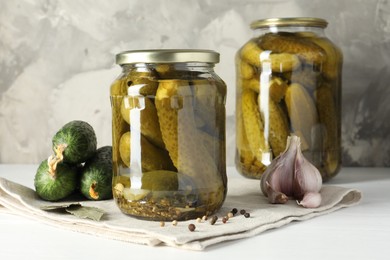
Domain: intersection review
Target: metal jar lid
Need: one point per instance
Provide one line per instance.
(288, 22)
(167, 56)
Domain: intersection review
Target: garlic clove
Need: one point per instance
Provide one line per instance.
(279, 174)
(265, 178)
(310, 200)
(275, 197)
(272, 176)
(292, 175)
(306, 179)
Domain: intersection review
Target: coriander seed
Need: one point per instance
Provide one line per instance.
(230, 215)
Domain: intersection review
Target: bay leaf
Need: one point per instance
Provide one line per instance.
(57, 206)
(85, 212)
(75, 209)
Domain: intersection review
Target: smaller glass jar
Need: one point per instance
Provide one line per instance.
(168, 129)
(288, 82)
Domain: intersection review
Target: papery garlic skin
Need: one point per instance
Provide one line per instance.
(292, 175)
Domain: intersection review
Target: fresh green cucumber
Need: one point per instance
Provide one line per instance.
(55, 183)
(96, 176)
(75, 142)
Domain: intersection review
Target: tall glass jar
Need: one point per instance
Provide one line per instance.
(288, 82)
(168, 129)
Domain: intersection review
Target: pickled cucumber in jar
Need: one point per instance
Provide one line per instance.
(288, 82)
(168, 135)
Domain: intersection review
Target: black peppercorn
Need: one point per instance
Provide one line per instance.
(247, 215)
(242, 212)
(191, 227)
(234, 211)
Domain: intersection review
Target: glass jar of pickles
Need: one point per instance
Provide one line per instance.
(288, 82)
(168, 129)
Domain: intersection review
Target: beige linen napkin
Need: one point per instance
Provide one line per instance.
(242, 194)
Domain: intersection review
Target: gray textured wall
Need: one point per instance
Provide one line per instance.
(57, 62)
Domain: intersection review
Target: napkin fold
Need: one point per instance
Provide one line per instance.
(242, 194)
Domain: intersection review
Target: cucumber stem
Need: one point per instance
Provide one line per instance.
(94, 194)
(59, 151)
(52, 163)
(53, 160)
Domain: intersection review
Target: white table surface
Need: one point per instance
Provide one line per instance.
(359, 232)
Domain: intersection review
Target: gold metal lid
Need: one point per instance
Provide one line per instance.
(167, 56)
(289, 21)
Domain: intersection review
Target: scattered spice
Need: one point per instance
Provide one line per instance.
(224, 220)
(191, 227)
(213, 220)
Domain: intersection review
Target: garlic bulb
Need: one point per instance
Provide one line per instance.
(291, 175)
